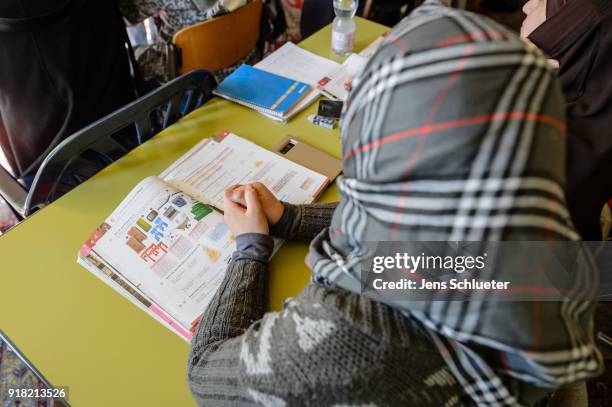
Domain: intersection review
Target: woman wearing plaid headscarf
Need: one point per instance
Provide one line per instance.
(453, 131)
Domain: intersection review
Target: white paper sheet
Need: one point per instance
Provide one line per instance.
(333, 85)
(298, 64)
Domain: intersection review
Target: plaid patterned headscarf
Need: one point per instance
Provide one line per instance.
(455, 131)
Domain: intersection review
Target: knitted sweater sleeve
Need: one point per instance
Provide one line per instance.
(213, 358)
(303, 221)
(213, 365)
(326, 348)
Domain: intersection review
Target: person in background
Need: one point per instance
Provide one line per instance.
(414, 169)
(283, 19)
(316, 14)
(578, 35)
(171, 16)
(52, 83)
(293, 15)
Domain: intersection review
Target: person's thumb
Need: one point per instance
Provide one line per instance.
(252, 199)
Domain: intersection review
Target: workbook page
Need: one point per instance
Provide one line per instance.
(298, 64)
(213, 166)
(334, 85)
(167, 244)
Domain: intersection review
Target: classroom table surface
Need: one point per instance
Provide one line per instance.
(82, 334)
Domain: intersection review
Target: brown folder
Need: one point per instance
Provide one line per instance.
(310, 157)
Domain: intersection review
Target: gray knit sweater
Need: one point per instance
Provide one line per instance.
(326, 348)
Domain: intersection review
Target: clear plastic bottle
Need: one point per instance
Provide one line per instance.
(343, 28)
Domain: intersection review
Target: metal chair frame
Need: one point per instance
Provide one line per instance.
(148, 115)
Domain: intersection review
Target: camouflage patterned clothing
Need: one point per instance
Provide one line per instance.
(170, 17)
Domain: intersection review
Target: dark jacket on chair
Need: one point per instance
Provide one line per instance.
(63, 65)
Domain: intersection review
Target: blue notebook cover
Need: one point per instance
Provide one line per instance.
(264, 90)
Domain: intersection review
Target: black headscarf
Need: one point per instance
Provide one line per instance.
(578, 33)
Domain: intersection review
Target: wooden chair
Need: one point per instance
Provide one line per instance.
(220, 42)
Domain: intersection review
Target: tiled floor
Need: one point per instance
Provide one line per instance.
(15, 374)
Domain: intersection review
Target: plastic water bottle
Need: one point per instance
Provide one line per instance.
(343, 29)
(143, 33)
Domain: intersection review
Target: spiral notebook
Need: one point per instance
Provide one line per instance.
(272, 95)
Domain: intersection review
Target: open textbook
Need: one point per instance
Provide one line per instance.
(166, 246)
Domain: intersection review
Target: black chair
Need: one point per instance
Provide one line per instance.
(144, 118)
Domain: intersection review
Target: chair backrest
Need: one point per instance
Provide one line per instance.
(147, 115)
(220, 42)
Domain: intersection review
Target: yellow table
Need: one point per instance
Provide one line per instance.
(78, 331)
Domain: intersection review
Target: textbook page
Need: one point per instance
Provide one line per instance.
(210, 168)
(171, 247)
